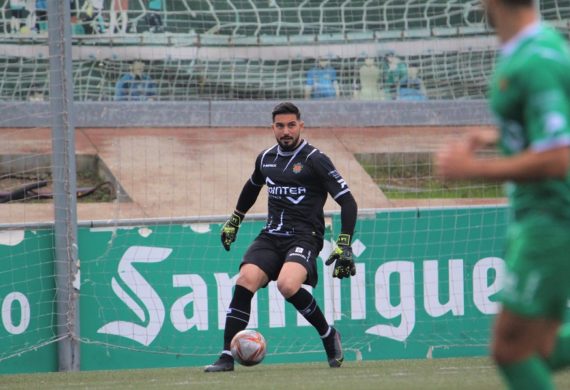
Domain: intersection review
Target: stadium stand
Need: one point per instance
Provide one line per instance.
(465, 77)
(206, 51)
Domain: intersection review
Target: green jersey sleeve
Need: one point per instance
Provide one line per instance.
(547, 106)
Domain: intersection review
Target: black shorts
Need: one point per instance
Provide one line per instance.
(269, 252)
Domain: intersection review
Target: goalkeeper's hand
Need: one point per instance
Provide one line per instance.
(342, 257)
(229, 230)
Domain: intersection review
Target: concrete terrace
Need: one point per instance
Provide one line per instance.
(199, 172)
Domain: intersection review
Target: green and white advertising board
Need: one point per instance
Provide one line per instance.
(155, 296)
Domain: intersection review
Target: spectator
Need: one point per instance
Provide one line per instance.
(92, 16)
(74, 10)
(394, 70)
(38, 14)
(30, 17)
(36, 94)
(321, 81)
(41, 14)
(370, 77)
(135, 85)
(412, 87)
(17, 13)
(119, 19)
(153, 17)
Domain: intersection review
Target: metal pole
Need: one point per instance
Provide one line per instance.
(64, 184)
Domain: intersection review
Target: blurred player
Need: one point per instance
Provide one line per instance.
(298, 178)
(530, 96)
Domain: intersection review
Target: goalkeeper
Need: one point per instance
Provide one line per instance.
(298, 177)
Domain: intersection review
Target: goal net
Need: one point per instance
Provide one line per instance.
(172, 104)
(264, 50)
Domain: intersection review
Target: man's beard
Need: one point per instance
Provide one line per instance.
(291, 143)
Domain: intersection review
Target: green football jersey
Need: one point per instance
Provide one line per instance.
(530, 97)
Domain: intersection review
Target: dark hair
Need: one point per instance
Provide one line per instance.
(285, 108)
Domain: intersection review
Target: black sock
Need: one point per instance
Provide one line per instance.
(305, 303)
(238, 314)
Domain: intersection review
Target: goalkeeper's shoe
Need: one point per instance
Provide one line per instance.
(333, 347)
(224, 363)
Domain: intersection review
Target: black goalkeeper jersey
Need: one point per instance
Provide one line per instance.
(297, 183)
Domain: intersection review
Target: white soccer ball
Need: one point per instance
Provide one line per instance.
(248, 347)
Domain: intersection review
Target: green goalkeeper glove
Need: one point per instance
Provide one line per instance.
(230, 229)
(342, 257)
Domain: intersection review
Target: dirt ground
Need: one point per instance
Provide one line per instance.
(198, 172)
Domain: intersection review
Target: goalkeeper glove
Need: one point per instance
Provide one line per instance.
(230, 229)
(342, 257)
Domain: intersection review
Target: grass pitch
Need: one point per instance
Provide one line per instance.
(412, 176)
(440, 374)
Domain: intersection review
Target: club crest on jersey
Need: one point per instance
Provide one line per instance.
(503, 85)
(297, 167)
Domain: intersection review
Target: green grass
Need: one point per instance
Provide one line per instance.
(431, 188)
(412, 176)
(440, 374)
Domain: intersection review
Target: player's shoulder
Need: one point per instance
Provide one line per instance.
(549, 36)
(546, 50)
(267, 152)
(314, 154)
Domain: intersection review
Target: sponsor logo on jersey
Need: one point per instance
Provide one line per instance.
(335, 175)
(297, 167)
(269, 165)
(294, 194)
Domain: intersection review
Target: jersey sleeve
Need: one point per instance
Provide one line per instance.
(331, 179)
(257, 177)
(546, 108)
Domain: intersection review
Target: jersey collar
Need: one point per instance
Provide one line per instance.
(291, 152)
(513, 44)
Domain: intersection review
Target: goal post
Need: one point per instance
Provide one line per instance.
(64, 186)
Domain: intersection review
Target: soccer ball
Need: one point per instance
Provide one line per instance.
(248, 347)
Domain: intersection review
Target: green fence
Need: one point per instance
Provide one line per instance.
(155, 296)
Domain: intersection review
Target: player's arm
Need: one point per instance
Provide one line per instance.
(482, 138)
(527, 166)
(246, 200)
(457, 161)
(337, 187)
(341, 256)
(348, 213)
(547, 124)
